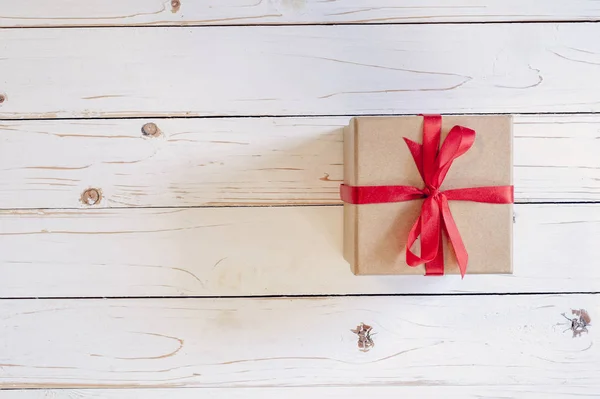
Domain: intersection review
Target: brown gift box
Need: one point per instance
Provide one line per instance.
(375, 235)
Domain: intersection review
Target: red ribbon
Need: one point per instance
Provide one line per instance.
(435, 214)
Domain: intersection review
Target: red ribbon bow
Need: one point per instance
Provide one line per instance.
(435, 214)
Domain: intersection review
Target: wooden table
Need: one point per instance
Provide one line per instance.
(170, 214)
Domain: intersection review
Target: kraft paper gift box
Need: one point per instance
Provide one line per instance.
(376, 154)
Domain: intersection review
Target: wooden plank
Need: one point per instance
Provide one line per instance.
(261, 251)
(249, 161)
(32, 13)
(235, 343)
(312, 70)
(384, 392)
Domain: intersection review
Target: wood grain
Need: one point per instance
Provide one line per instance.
(313, 70)
(31, 13)
(334, 392)
(261, 251)
(249, 161)
(426, 341)
(149, 238)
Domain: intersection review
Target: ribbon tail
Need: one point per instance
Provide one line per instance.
(454, 237)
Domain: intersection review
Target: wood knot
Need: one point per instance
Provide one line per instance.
(150, 129)
(91, 196)
(175, 5)
(579, 323)
(365, 339)
(2, 98)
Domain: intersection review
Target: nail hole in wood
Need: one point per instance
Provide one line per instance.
(91, 196)
(175, 5)
(579, 323)
(365, 339)
(2, 98)
(151, 130)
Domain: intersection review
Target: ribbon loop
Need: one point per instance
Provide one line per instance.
(462, 257)
(427, 226)
(458, 141)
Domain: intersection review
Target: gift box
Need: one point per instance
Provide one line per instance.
(428, 195)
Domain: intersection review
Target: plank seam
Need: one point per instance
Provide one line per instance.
(301, 296)
(277, 25)
(159, 207)
(307, 116)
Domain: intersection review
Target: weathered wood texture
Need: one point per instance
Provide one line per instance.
(569, 391)
(28, 13)
(249, 161)
(427, 346)
(261, 251)
(426, 341)
(312, 70)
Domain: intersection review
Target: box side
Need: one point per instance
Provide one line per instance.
(512, 214)
(383, 158)
(489, 243)
(350, 210)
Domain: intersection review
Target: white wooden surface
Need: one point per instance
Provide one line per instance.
(262, 251)
(305, 70)
(177, 227)
(426, 341)
(249, 161)
(251, 12)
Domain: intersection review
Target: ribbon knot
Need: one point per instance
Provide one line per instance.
(435, 217)
(430, 191)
